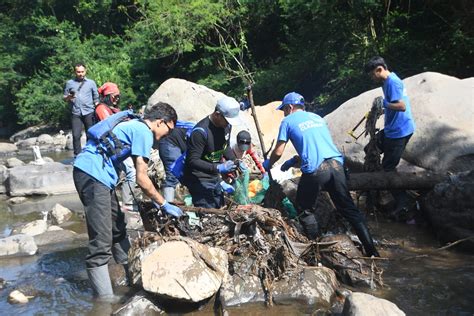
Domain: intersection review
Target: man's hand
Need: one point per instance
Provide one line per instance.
(170, 209)
(266, 165)
(226, 167)
(227, 188)
(289, 163)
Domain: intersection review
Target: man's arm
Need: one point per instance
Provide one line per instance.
(95, 93)
(67, 93)
(144, 182)
(277, 152)
(396, 106)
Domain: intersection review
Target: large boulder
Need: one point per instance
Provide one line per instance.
(17, 245)
(450, 209)
(6, 148)
(362, 304)
(33, 131)
(45, 203)
(48, 179)
(3, 178)
(140, 304)
(310, 286)
(14, 162)
(33, 228)
(184, 270)
(443, 113)
(191, 101)
(59, 214)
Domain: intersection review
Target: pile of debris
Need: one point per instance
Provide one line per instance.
(249, 252)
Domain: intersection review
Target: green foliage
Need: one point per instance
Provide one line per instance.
(316, 47)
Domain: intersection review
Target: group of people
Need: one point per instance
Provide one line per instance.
(209, 159)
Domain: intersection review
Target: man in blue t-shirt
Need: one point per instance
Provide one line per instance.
(399, 125)
(95, 178)
(321, 165)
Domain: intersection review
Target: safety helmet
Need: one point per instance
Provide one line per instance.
(291, 98)
(109, 88)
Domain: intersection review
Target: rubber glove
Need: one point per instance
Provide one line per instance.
(288, 164)
(229, 189)
(226, 167)
(266, 165)
(170, 209)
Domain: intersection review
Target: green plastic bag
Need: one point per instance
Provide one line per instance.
(260, 195)
(241, 195)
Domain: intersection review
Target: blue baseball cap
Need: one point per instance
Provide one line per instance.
(291, 98)
(230, 109)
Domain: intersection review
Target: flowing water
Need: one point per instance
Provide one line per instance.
(441, 283)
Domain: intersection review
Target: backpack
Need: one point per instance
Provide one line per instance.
(108, 145)
(177, 167)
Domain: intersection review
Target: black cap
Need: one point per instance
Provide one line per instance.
(243, 136)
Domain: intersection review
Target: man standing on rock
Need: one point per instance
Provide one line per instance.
(95, 178)
(82, 96)
(206, 146)
(399, 125)
(321, 165)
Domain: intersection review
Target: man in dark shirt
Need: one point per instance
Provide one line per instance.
(82, 95)
(206, 146)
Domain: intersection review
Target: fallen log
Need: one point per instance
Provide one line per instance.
(390, 181)
(394, 180)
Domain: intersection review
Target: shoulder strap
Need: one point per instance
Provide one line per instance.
(80, 86)
(202, 130)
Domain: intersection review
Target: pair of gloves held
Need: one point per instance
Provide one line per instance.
(285, 166)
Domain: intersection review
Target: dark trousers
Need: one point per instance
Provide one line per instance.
(168, 155)
(77, 121)
(330, 177)
(105, 222)
(207, 194)
(393, 149)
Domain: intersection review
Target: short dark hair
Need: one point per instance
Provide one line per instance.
(79, 65)
(161, 111)
(375, 62)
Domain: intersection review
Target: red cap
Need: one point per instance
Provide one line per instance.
(109, 88)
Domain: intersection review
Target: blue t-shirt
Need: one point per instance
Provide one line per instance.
(310, 136)
(134, 133)
(397, 123)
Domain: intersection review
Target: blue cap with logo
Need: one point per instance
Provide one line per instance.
(291, 98)
(230, 109)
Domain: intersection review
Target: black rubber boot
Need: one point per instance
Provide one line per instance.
(310, 224)
(365, 238)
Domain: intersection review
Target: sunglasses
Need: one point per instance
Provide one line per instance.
(245, 142)
(169, 128)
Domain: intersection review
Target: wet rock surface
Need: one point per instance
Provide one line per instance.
(17, 245)
(362, 304)
(50, 178)
(450, 209)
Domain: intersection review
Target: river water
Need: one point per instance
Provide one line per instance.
(436, 284)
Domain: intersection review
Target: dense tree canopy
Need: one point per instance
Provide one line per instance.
(316, 47)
